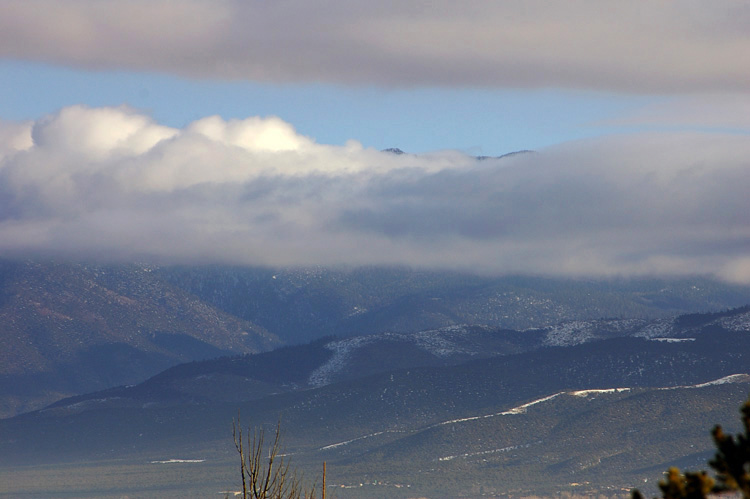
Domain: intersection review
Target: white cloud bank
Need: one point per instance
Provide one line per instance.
(110, 183)
(633, 46)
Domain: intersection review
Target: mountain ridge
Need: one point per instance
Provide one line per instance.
(604, 412)
(330, 360)
(70, 328)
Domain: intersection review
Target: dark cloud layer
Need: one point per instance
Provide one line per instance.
(110, 183)
(637, 46)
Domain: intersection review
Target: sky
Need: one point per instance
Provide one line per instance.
(251, 132)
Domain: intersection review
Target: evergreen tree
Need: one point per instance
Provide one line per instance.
(732, 460)
(731, 464)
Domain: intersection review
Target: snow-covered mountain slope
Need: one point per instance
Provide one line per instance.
(444, 346)
(588, 394)
(334, 360)
(677, 328)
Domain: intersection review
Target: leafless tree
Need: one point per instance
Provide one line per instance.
(266, 474)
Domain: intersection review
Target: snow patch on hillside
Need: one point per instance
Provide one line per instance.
(577, 332)
(347, 442)
(671, 340)
(732, 378)
(171, 461)
(463, 420)
(484, 452)
(586, 393)
(740, 322)
(522, 408)
(658, 328)
(457, 340)
(569, 333)
(443, 343)
(342, 351)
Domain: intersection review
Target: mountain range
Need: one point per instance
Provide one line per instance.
(590, 407)
(72, 328)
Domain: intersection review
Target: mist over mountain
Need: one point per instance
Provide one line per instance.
(299, 304)
(114, 184)
(71, 328)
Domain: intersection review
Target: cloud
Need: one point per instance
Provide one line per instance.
(14, 137)
(98, 133)
(709, 111)
(112, 184)
(637, 46)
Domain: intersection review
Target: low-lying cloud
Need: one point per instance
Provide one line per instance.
(112, 184)
(636, 46)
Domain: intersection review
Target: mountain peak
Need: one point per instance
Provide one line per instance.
(393, 150)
